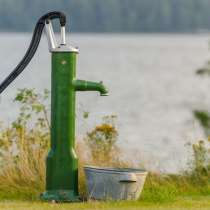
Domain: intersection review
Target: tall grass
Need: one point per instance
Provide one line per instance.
(22, 174)
(25, 143)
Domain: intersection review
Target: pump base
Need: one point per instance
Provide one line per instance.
(59, 196)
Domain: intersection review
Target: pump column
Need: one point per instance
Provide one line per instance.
(62, 162)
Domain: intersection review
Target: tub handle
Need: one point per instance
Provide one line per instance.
(131, 177)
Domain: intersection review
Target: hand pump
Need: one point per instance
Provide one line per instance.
(62, 162)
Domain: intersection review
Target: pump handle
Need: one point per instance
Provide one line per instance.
(32, 47)
(53, 15)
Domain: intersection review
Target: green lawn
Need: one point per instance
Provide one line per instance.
(180, 204)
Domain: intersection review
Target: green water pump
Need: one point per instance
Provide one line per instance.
(62, 161)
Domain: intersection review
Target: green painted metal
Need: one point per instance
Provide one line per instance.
(62, 161)
(81, 85)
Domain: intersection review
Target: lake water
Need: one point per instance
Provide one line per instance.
(152, 82)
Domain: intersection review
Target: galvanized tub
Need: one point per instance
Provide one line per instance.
(114, 183)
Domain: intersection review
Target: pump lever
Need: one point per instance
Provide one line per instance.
(63, 35)
(52, 43)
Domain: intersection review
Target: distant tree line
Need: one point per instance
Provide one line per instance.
(111, 15)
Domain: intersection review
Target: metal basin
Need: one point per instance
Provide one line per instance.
(114, 183)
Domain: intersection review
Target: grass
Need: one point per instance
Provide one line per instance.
(22, 175)
(198, 202)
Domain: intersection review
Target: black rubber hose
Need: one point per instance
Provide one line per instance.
(32, 47)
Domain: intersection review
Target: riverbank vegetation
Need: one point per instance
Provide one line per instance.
(24, 145)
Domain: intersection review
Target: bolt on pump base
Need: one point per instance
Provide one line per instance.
(62, 161)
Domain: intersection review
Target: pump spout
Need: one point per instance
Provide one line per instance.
(82, 85)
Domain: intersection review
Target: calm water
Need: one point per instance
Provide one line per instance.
(152, 83)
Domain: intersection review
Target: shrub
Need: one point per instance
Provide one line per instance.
(102, 143)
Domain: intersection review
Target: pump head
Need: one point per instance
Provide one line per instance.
(52, 43)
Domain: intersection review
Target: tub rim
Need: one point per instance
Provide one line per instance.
(115, 170)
